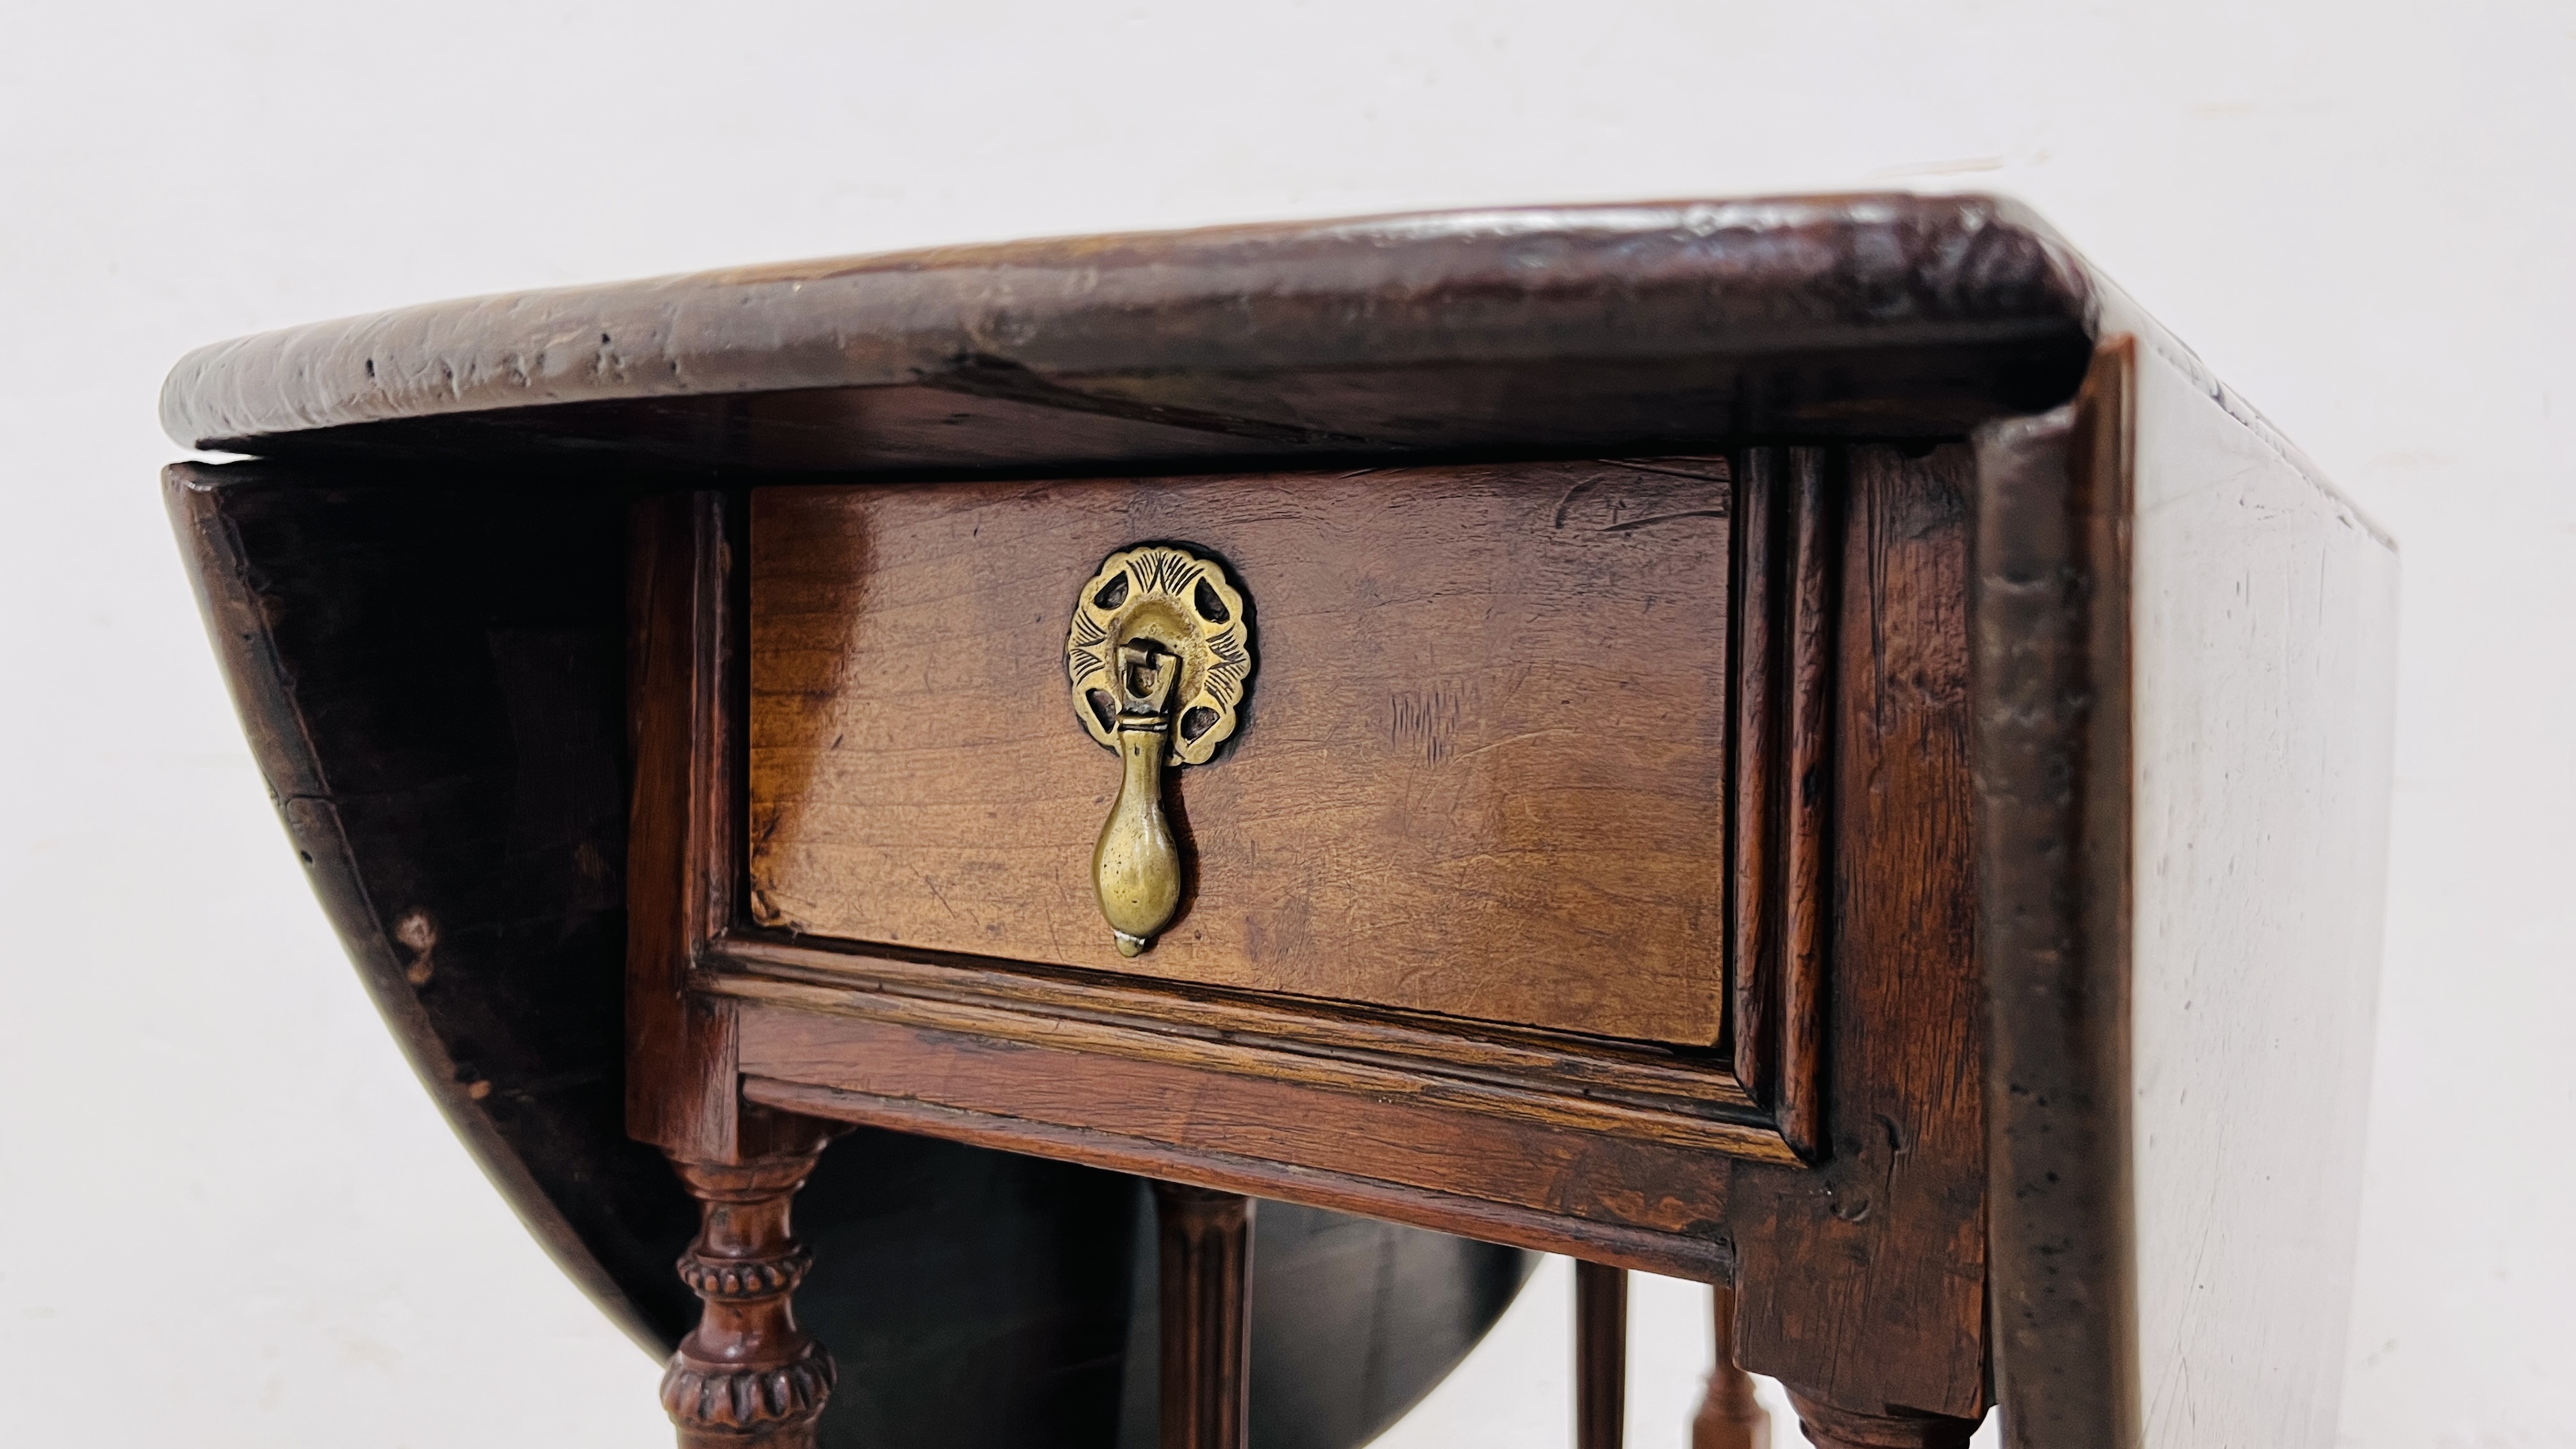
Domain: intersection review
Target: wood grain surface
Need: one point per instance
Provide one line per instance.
(1898, 1190)
(1779, 854)
(748, 1377)
(1636, 327)
(1606, 1075)
(1510, 1096)
(1861, 1270)
(679, 1051)
(1206, 1320)
(1600, 1356)
(427, 673)
(2055, 836)
(1672, 1255)
(1453, 947)
(1754, 759)
(1313, 1133)
(1482, 769)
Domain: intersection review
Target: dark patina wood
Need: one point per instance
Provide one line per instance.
(429, 671)
(979, 1050)
(429, 674)
(1574, 328)
(1828, 1427)
(747, 1377)
(1484, 691)
(1778, 850)
(2052, 591)
(1815, 988)
(1207, 1316)
(1600, 1356)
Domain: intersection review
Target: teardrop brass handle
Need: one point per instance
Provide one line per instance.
(1135, 866)
(1160, 653)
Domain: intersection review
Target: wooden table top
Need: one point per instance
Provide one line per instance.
(1643, 325)
(2074, 854)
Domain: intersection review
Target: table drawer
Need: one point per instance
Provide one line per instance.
(1480, 769)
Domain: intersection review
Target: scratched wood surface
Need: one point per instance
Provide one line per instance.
(1482, 774)
(1897, 1187)
(1640, 327)
(1481, 771)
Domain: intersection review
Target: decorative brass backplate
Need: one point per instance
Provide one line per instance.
(1172, 601)
(1159, 654)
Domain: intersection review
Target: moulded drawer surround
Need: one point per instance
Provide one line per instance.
(1481, 772)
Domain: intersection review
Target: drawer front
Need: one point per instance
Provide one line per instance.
(1480, 769)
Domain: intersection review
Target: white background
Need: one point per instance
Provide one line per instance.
(232, 1219)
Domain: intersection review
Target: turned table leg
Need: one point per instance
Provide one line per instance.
(1206, 1316)
(746, 1377)
(1832, 1428)
(1600, 1356)
(1729, 1416)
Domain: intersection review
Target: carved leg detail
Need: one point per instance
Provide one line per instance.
(1729, 1416)
(746, 1376)
(1206, 1316)
(1600, 1356)
(1833, 1428)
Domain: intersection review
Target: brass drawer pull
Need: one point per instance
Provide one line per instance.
(1159, 654)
